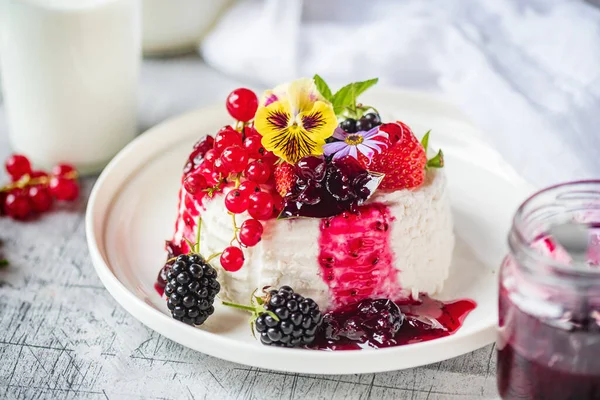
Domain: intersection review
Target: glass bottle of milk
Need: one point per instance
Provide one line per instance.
(69, 72)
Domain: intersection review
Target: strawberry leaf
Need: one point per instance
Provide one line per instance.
(323, 88)
(425, 141)
(437, 161)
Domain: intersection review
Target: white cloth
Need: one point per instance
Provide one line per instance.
(526, 71)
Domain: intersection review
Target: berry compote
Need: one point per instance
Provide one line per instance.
(549, 305)
(384, 323)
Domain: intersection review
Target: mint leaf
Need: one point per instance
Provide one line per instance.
(361, 87)
(346, 96)
(323, 88)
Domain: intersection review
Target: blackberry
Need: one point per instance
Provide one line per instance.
(191, 289)
(284, 318)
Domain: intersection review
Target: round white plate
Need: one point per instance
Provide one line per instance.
(132, 210)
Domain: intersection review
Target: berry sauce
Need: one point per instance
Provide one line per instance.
(424, 319)
(361, 265)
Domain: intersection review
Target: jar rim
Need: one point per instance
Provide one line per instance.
(518, 239)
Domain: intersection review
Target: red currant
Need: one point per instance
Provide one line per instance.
(40, 199)
(258, 171)
(235, 158)
(251, 232)
(227, 137)
(232, 259)
(63, 188)
(195, 183)
(260, 205)
(242, 104)
(249, 130)
(17, 165)
(38, 174)
(17, 205)
(211, 156)
(236, 201)
(254, 147)
(248, 187)
(63, 170)
(221, 168)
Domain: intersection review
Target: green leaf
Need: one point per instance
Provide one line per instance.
(437, 161)
(347, 95)
(3, 263)
(343, 98)
(361, 87)
(323, 88)
(425, 141)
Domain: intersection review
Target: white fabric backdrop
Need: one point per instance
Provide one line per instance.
(526, 71)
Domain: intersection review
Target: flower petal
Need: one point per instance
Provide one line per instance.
(302, 94)
(370, 133)
(353, 152)
(339, 133)
(320, 121)
(371, 144)
(366, 151)
(272, 118)
(342, 153)
(334, 147)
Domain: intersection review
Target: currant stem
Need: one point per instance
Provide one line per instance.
(209, 259)
(26, 181)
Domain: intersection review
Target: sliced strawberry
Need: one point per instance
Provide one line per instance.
(284, 178)
(396, 131)
(403, 163)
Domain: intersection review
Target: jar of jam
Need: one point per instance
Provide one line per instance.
(549, 299)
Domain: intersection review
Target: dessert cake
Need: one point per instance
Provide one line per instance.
(309, 190)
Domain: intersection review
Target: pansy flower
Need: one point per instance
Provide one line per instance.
(366, 143)
(294, 120)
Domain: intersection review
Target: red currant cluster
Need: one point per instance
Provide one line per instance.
(33, 192)
(236, 156)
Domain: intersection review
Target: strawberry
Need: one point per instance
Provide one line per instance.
(403, 163)
(284, 178)
(395, 130)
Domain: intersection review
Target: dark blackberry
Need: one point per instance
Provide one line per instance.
(284, 318)
(299, 319)
(349, 125)
(191, 289)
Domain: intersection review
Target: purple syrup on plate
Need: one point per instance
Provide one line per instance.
(357, 327)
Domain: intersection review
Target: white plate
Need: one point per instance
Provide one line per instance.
(132, 211)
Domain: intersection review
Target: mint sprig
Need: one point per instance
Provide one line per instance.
(344, 101)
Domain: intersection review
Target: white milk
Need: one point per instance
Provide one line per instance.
(176, 26)
(70, 70)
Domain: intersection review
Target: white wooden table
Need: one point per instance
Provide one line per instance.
(62, 336)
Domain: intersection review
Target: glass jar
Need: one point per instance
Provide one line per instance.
(549, 305)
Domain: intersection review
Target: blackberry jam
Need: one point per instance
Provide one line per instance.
(549, 299)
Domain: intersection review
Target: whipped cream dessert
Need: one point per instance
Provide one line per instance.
(320, 215)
